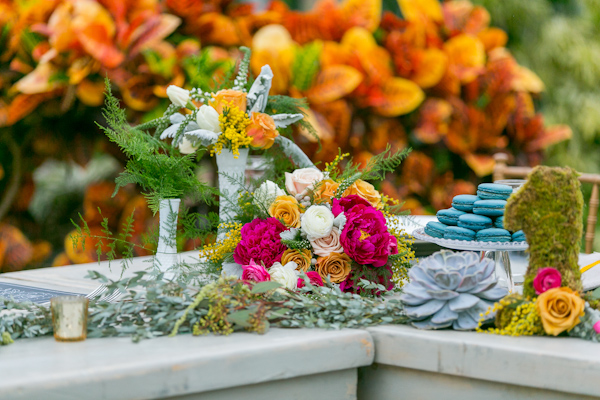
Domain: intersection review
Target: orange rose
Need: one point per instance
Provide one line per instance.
(228, 98)
(325, 191)
(336, 265)
(300, 257)
(559, 309)
(287, 210)
(262, 130)
(366, 191)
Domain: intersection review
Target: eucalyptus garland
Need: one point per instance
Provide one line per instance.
(150, 307)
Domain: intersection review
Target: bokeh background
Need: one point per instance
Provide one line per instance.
(455, 80)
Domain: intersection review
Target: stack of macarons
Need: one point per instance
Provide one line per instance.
(478, 218)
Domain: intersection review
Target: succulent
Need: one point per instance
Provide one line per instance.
(450, 289)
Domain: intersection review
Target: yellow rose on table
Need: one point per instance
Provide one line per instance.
(228, 98)
(336, 265)
(325, 191)
(287, 210)
(559, 309)
(366, 191)
(300, 257)
(262, 130)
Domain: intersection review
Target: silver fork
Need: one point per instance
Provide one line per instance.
(95, 293)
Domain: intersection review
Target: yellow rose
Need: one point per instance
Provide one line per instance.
(287, 210)
(366, 191)
(228, 98)
(300, 257)
(336, 265)
(325, 191)
(559, 309)
(262, 130)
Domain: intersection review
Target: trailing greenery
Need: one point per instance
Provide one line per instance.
(157, 167)
(150, 307)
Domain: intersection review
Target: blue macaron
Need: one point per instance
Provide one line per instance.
(458, 233)
(474, 222)
(435, 229)
(518, 236)
(464, 202)
(449, 216)
(493, 191)
(499, 222)
(489, 208)
(493, 235)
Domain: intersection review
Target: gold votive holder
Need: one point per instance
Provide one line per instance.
(69, 318)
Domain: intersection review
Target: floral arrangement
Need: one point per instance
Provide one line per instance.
(329, 225)
(228, 118)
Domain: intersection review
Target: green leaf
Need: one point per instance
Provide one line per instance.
(240, 318)
(596, 294)
(263, 287)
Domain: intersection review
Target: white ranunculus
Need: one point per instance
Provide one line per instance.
(186, 147)
(317, 222)
(301, 180)
(178, 96)
(266, 194)
(285, 274)
(208, 118)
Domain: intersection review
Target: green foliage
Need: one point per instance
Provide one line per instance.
(306, 65)
(157, 167)
(548, 208)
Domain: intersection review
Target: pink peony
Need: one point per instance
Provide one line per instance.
(365, 236)
(314, 277)
(546, 278)
(346, 203)
(260, 242)
(255, 272)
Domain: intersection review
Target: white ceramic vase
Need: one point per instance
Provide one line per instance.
(166, 252)
(232, 180)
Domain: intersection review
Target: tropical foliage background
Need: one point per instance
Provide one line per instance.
(456, 81)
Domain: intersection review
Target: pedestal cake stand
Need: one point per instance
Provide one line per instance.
(499, 251)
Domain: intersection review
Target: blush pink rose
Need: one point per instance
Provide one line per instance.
(546, 278)
(314, 277)
(255, 272)
(299, 181)
(329, 244)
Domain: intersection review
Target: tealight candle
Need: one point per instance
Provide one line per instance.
(69, 318)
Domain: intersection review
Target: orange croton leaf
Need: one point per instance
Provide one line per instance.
(334, 53)
(481, 164)
(445, 188)
(417, 172)
(466, 57)
(153, 30)
(333, 83)
(400, 96)
(463, 17)
(81, 68)
(419, 10)
(218, 29)
(273, 45)
(138, 93)
(362, 13)
(433, 121)
(429, 66)
(550, 136)
(525, 80)
(61, 260)
(15, 249)
(493, 38)
(39, 80)
(339, 116)
(91, 93)
(96, 41)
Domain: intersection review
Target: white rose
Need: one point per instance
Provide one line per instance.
(317, 222)
(301, 180)
(208, 118)
(178, 96)
(266, 194)
(185, 147)
(285, 274)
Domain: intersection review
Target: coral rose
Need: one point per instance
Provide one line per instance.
(325, 191)
(227, 98)
(299, 181)
(366, 191)
(287, 210)
(300, 257)
(336, 265)
(546, 278)
(262, 130)
(559, 309)
(329, 244)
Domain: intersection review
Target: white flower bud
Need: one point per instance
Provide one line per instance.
(178, 96)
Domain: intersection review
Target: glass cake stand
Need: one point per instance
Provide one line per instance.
(496, 250)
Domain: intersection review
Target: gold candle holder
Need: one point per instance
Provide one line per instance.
(69, 318)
